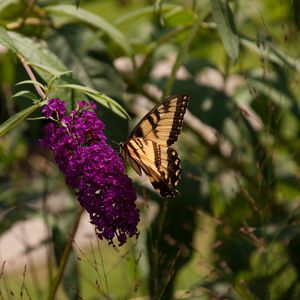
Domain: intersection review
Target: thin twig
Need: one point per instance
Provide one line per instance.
(2, 269)
(32, 77)
(29, 21)
(26, 20)
(23, 287)
(65, 257)
(27, 12)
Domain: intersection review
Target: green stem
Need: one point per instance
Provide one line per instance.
(65, 258)
(32, 77)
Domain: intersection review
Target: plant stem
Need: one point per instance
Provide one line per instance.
(32, 77)
(65, 257)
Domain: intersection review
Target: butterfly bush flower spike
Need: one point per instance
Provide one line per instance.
(92, 168)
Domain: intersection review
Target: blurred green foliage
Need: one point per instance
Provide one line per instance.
(233, 232)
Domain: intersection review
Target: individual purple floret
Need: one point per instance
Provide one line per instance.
(92, 168)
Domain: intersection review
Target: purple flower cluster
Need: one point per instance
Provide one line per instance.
(92, 168)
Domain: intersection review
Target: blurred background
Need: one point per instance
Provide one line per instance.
(233, 232)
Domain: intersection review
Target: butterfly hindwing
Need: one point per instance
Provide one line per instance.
(159, 163)
(148, 147)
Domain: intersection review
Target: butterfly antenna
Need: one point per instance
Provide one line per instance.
(177, 193)
(119, 145)
(115, 142)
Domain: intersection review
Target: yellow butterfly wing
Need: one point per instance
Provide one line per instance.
(163, 123)
(148, 147)
(160, 164)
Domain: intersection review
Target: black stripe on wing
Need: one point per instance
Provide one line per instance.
(181, 107)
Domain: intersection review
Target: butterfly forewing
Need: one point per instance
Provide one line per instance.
(148, 147)
(164, 122)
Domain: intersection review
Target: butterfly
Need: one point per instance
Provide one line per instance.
(148, 147)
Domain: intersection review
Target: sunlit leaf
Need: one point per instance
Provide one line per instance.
(226, 27)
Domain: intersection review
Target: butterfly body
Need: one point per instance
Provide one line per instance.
(148, 147)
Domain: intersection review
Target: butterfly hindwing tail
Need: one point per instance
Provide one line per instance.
(163, 188)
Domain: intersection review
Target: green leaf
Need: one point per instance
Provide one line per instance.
(26, 94)
(6, 40)
(296, 4)
(67, 41)
(6, 3)
(157, 10)
(100, 98)
(272, 53)
(97, 22)
(225, 24)
(31, 82)
(157, 5)
(110, 104)
(144, 12)
(78, 87)
(16, 119)
(53, 72)
(11, 9)
(45, 63)
(279, 98)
